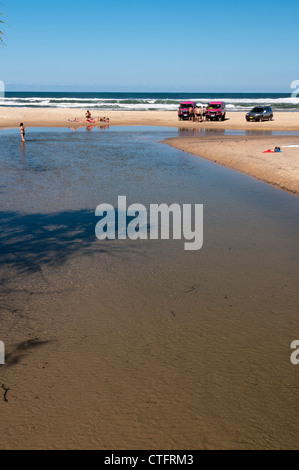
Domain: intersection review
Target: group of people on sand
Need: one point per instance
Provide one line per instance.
(199, 114)
(89, 118)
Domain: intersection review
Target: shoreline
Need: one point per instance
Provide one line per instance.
(240, 153)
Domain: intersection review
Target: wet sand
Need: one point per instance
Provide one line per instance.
(139, 344)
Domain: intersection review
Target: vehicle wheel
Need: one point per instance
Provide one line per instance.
(223, 117)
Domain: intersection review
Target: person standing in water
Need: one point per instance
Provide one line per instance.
(22, 129)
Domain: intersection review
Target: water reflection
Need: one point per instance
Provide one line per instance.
(193, 131)
(23, 147)
(89, 127)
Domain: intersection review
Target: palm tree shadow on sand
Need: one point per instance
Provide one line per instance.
(23, 349)
(30, 241)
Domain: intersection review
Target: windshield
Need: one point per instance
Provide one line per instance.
(186, 105)
(258, 110)
(214, 106)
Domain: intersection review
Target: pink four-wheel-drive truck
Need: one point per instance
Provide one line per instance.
(216, 110)
(185, 111)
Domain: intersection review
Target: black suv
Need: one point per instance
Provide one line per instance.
(260, 113)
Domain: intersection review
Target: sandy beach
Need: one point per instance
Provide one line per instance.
(46, 117)
(245, 154)
(149, 263)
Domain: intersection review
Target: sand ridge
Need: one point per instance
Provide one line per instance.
(245, 154)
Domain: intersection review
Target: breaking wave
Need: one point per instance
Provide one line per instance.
(144, 102)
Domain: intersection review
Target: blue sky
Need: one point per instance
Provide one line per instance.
(165, 45)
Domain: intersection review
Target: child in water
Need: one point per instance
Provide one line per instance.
(22, 129)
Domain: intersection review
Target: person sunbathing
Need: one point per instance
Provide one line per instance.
(276, 149)
(75, 119)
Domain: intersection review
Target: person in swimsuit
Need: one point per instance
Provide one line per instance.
(22, 129)
(88, 116)
(191, 114)
(198, 114)
(204, 112)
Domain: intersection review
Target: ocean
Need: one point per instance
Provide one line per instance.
(146, 101)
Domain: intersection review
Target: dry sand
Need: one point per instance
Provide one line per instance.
(46, 117)
(245, 154)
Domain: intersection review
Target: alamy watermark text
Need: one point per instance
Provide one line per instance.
(134, 222)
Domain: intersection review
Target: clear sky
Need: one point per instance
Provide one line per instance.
(150, 45)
